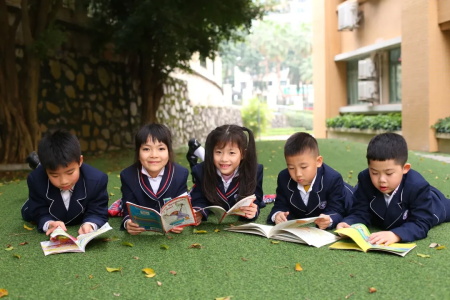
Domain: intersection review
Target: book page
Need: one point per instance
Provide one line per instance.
(146, 217)
(293, 224)
(236, 209)
(252, 228)
(177, 212)
(359, 234)
(310, 235)
(83, 239)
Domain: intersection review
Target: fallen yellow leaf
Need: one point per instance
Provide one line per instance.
(110, 270)
(27, 227)
(423, 255)
(159, 283)
(17, 256)
(9, 248)
(372, 290)
(111, 194)
(128, 244)
(440, 247)
(223, 298)
(274, 242)
(3, 293)
(149, 272)
(217, 230)
(199, 231)
(164, 247)
(298, 267)
(196, 245)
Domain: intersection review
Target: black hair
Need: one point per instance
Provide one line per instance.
(387, 146)
(300, 142)
(158, 133)
(219, 137)
(59, 148)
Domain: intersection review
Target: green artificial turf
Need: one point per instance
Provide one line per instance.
(228, 264)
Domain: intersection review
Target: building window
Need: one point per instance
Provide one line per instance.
(352, 82)
(395, 75)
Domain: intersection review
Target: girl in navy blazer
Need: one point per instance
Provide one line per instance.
(154, 178)
(229, 173)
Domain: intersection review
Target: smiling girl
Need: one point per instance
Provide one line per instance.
(229, 173)
(154, 177)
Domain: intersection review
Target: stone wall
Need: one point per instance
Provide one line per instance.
(96, 100)
(186, 121)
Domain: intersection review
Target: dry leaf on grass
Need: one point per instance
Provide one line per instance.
(17, 256)
(217, 230)
(27, 227)
(440, 247)
(196, 246)
(110, 270)
(423, 255)
(164, 247)
(274, 242)
(173, 272)
(200, 231)
(372, 290)
(3, 293)
(149, 272)
(298, 267)
(23, 243)
(223, 298)
(434, 245)
(128, 244)
(159, 283)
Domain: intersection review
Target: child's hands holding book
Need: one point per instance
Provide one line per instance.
(323, 222)
(383, 237)
(281, 217)
(133, 228)
(52, 225)
(250, 211)
(85, 228)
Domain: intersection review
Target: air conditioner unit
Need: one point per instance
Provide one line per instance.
(348, 15)
(366, 69)
(367, 91)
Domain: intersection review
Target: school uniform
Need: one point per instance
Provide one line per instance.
(88, 202)
(415, 207)
(136, 187)
(228, 197)
(328, 195)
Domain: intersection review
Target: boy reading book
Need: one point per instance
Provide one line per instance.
(392, 196)
(63, 190)
(308, 187)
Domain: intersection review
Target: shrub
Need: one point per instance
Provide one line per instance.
(442, 125)
(256, 116)
(302, 119)
(386, 122)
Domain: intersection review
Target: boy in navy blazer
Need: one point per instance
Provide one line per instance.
(308, 187)
(392, 196)
(63, 190)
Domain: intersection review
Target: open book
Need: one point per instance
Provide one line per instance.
(290, 231)
(360, 234)
(221, 213)
(61, 241)
(177, 212)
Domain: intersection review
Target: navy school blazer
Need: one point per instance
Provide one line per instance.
(88, 203)
(136, 188)
(414, 209)
(229, 197)
(330, 195)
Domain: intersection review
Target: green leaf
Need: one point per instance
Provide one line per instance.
(164, 247)
(423, 255)
(128, 244)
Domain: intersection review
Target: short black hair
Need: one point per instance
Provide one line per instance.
(387, 146)
(300, 142)
(59, 148)
(157, 132)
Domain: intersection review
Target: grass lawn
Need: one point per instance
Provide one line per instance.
(229, 264)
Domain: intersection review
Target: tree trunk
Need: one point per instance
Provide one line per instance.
(152, 91)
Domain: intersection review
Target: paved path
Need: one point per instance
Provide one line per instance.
(436, 157)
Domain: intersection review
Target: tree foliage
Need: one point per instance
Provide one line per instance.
(158, 37)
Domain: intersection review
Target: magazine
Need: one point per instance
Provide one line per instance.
(359, 234)
(221, 213)
(291, 231)
(61, 241)
(177, 212)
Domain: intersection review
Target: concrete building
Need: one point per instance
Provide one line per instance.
(380, 56)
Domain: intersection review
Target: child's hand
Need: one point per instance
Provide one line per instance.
(177, 229)
(52, 225)
(281, 217)
(198, 217)
(323, 221)
(383, 237)
(342, 225)
(250, 211)
(85, 228)
(133, 228)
